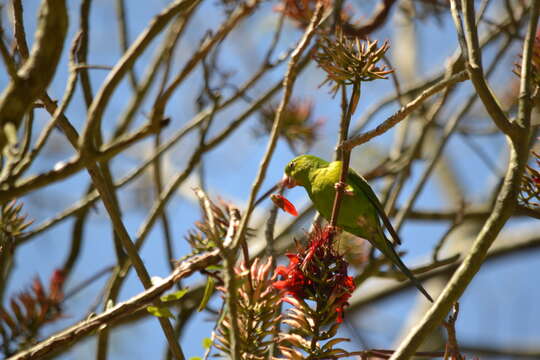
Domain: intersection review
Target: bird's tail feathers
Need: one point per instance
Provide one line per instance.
(391, 253)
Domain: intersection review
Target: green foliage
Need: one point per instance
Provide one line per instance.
(177, 295)
(208, 291)
(162, 312)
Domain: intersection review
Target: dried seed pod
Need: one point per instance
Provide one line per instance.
(349, 60)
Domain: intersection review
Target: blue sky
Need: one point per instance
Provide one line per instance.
(488, 314)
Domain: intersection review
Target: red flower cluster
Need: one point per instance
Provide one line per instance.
(317, 272)
(295, 282)
(49, 303)
(30, 310)
(56, 285)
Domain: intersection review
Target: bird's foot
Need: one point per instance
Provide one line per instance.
(333, 229)
(341, 186)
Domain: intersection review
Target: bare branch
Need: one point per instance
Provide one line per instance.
(404, 111)
(66, 337)
(38, 71)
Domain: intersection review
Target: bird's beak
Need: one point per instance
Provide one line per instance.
(288, 182)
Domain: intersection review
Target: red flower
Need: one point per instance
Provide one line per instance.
(281, 202)
(317, 271)
(346, 284)
(56, 285)
(294, 281)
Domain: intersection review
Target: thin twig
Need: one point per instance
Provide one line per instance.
(404, 111)
(240, 13)
(499, 252)
(288, 83)
(66, 337)
(72, 166)
(475, 71)
(124, 39)
(103, 96)
(68, 94)
(502, 211)
(37, 72)
(348, 108)
(18, 29)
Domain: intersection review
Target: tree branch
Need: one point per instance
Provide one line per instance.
(66, 337)
(288, 83)
(404, 111)
(38, 71)
(502, 211)
(102, 98)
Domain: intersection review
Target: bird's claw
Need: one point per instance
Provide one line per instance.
(341, 186)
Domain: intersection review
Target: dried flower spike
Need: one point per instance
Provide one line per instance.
(12, 222)
(215, 225)
(12, 225)
(299, 128)
(258, 312)
(349, 60)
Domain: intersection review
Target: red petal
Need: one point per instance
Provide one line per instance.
(339, 319)
(280, 285)
(281, 270)
(293, 259)
(281, 202)
(289, 207)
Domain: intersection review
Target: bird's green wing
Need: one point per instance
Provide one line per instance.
(363, 185)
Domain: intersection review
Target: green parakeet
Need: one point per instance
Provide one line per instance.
(360, 212)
